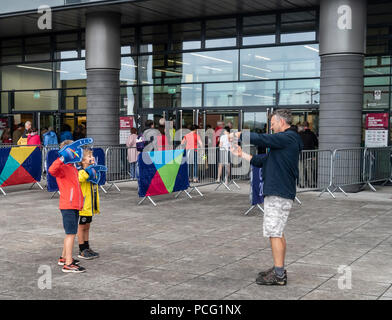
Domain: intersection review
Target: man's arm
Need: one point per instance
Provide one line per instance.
(258, 160)
(274, 141)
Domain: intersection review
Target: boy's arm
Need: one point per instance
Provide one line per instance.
(83, 176)
(275, 141)
(56, 169)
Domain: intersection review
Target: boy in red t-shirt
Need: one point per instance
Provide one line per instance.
(71, 198)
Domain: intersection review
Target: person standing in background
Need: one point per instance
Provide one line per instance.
(50, 137)
(33, 137)
(6, 136)
(66, 133)
(17, 134)
(132, 153)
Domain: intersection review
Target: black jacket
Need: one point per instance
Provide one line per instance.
(280, 167)
(309, 139)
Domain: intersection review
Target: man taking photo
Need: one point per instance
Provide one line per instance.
(280, 172)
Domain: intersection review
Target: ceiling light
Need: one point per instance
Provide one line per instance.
(167, 71)
(41, 69)
(176, 61)
(129, 65)
(124, 79)
(35, 68)
(262, 58)
(374, 71)
(252, 76)
(256, 68)
(311, 48)
(211, 58)
(211, 68)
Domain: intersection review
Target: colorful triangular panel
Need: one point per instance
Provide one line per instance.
(9, 168)
(161, 158)
(162, 172)
(157, 186)
(182, 179)
(4, 153)
(30, 164)
(169, 172)
(20, 154)
(20, 176)
(147, 172)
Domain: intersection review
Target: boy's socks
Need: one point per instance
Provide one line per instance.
(279, 271)
(87, 245)
(82, 247)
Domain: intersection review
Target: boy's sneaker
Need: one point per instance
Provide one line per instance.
(263, 273)
(86, 254)
(73, 268)
(271, 279)
(61, 261)
(96, 254)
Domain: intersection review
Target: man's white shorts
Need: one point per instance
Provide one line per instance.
(276, 212)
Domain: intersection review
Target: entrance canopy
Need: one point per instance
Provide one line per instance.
(71, 17)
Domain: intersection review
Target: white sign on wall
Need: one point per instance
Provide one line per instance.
(376, 138)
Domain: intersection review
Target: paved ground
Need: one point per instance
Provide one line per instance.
(200, 248)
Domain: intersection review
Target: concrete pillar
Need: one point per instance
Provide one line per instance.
(103, 64)
(342, 49)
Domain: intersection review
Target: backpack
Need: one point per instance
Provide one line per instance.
(140, 143)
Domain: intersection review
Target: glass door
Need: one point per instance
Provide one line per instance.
(310, 116)
(226, 117)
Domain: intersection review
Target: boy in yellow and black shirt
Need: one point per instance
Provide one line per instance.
(89, 177)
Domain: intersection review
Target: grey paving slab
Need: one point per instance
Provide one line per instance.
(256, 292)
(336, 295)
(200, 248)
(388, 293)
(167, 277)
(204, 288)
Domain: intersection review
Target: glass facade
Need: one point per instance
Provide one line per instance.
(378, 63)
(25, 5)
(247, 63)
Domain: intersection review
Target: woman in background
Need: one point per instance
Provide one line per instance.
(132, 153)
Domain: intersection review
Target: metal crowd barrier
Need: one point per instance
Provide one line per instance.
(377, 166)
(319, 170)
(315, 170)
(116, 158)
(214, 165)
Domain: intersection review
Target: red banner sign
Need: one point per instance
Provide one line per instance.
(126, 123)
(376, 121)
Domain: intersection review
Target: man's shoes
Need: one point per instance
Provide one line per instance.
(73, 268)
(96, 254)
(263, 273)
(61, 261)
(271, 279)
(86, 254)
